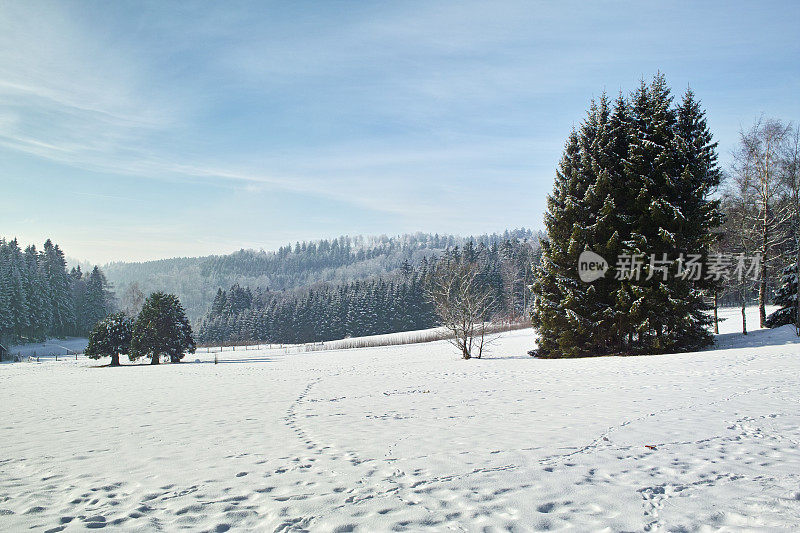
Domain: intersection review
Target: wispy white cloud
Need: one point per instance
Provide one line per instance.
(69, 97)
(379, 111)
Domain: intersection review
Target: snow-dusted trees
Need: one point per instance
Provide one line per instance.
(787, 298)
(161, 329)
(132, 300)
(38, 298)
(54, 266)
(762, 208)
(382, 304)
(759, 178)
(110, 337)
(91, 298)
(463, 301)
(792, 181)
(634, 181)
(294, 269)
(739, 237)
(788, 295)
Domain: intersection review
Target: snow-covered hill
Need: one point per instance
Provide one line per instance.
(408, 438)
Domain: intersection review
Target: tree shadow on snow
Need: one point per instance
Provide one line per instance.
(242, 360)
(784, 335)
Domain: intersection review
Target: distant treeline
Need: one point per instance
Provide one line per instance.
(337, 261)
(387, 303)
(40, 299)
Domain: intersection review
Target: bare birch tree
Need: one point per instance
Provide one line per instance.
(740, 233)
(463, 303)
(757, 172)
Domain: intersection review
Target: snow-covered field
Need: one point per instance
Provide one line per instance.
(409, 438)
(50, 348)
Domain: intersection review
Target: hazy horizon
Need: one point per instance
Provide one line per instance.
(138, 131)
(74, 261)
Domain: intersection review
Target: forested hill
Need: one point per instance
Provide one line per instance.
(196, 279)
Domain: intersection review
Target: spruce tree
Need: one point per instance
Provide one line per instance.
(40, 321)
(786, 297)
(161, 329)
(634, 181)
(5, 300)
(61, 303)
(17, 290)
(97, 299)
(558, 295)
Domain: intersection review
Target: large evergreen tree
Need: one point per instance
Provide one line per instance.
(61, 302)
(40, 321)
(161, 329)
(635, 181)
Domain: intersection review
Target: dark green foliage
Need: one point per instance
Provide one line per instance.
(39, 299)
(59, 283)
(110, 337)
(161, 329)
(634, 179)
(786, 297)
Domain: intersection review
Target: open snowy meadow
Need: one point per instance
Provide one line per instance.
(409, 438)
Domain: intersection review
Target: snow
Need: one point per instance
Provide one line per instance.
(409, 437)
(50, 348)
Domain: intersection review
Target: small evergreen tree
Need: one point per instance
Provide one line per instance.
(161, 329)
(787, 299)
(110, 337)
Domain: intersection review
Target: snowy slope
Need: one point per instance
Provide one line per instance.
(409, 437)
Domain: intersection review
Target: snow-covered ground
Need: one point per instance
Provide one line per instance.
(50, 348)
(408, 438)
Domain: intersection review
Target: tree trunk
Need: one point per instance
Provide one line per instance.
(744, 318)
(115, 360)
(762, 285)
(156, 359)
(716, 315)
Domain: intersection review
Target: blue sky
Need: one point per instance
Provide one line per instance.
(133, 131)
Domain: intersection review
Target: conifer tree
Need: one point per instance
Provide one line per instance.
(61, 303)
(5, 303)
(786, 297)
(558, 305)
(161, 329)
(17, 290)
(110, 337)
(634, 181)
(40, 321)
(98, 297)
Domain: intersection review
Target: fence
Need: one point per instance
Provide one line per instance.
(389, 339)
